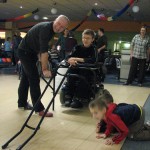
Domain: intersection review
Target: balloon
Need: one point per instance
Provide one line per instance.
(109, 19)
(53, 10)
(8, 60)
(36, 17)
(4, 60)
(118, 14)
(135, 9)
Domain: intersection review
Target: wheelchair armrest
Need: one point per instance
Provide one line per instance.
(89, 66)
(85, 65)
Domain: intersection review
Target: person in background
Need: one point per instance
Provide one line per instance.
(35, 44)
(16, 41)
(61, 42)
(101, 45)
(140, 51)
(1, 41)
(8, 47)
(13, 50)
(66, 42)
(71, 42)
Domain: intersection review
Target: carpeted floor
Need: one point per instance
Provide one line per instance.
(10, 70)
(139, 145)
(112, 79)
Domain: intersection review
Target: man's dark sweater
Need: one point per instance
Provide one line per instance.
(37, 38)
(101, 42)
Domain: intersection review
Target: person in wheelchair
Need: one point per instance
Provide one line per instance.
(75, 87)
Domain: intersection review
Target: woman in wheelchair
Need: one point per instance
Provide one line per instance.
(76, 88)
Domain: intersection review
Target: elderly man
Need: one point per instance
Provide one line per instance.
(36, 42)
(140, 51)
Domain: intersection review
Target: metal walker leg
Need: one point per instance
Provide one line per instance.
(42, 118)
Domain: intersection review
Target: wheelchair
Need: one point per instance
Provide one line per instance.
(92, 86)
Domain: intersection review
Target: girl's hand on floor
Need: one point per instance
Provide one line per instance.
(101, 136)
(98, 128)
(109, 142)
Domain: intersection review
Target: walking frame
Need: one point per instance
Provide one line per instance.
(51, 103)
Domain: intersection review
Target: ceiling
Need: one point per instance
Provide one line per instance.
(76, 10)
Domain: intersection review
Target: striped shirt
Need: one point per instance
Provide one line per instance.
(140, 46)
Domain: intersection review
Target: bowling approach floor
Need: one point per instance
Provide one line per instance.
(69, 129)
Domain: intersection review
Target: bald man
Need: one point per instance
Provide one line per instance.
(36, 42)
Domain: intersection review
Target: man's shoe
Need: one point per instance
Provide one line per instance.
(68, 100)
(68, 103)
(76, 104)
(27, 107)
(48, 114)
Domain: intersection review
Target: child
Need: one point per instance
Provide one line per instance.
(127, 119)
(107, 98)
(82, 54)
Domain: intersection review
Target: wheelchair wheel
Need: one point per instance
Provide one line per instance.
(62, 97)
(99, 90)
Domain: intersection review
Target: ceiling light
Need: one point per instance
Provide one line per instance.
(45, 18)
(21, 7)
(95, 4)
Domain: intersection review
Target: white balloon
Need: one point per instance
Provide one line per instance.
(135, 9)
(36, 17)
(53, 10)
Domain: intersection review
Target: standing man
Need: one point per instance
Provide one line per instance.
(16, 41)
(140, 50)
(101, 45)
(101, 48)
(16, 44)
(62, 43)
(36, 42)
